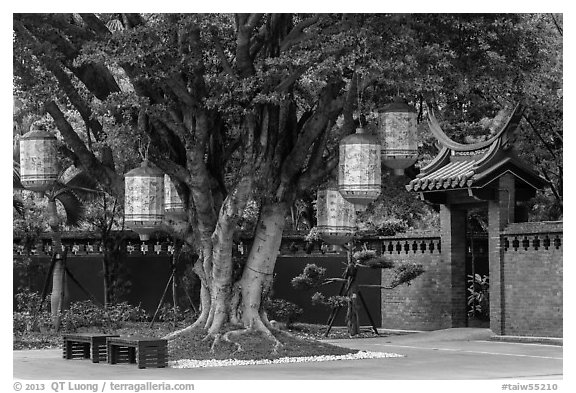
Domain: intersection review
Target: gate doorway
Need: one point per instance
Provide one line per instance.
(477, 269)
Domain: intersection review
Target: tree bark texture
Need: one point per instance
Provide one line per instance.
(256, 280)
(58, 296)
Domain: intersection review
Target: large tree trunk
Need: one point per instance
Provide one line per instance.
(241, 303)
(106, 281)
(59, 290)
(58, 296)
(352, 316)
(258, 272)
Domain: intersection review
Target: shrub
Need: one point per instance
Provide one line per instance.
(312, 277)
(124, 312)
(83, 314)
(26, 317)
(478, 296)
(25, 321)
(27, 301)
(87, 314)
(166, 314)
(391, 227)
(332, 301)
(283, 311)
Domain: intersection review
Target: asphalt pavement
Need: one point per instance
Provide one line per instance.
(451, 354)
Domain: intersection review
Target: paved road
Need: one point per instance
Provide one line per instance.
(452, 354)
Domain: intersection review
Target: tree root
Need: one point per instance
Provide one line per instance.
(217, 338)
(235, 333)
(198, 324)
(260, 327)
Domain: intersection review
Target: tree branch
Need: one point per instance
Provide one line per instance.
(558, 27)
(221, 55)
(297, 33)
(546, 145)
(376, 286)
(179, 89)
(110, 180)
(328, 109)
(552, 185)
(245, 26)
(348, 110)
(95, 24)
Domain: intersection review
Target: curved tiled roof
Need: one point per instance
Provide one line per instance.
(460, 166)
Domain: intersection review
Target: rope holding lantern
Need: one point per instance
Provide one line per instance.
(398, 135)
(144, 199)
(359, 172)
(38, 159)
(336, 217)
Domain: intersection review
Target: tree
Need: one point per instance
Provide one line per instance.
(314, 277)
(72, 188)
(247, 107)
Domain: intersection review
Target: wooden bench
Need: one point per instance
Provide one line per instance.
(85, 346)
(144, 351)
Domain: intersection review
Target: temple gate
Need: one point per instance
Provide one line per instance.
(489, 175)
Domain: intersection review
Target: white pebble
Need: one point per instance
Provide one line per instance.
(191, 363)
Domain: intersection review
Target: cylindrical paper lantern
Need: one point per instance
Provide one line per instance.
(38, 160)
(336, 217)
(397, 133)
(359, 179)
(144, 199)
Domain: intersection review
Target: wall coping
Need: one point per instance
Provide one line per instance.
(524, 228)
(406, 236)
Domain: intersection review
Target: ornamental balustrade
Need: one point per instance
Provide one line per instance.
(540, 236)
(293, 244)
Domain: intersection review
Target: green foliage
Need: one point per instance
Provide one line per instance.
(89, 315)
(380, 262)
(283, 311)
(82, 314)
(27, 301)
(313, 235)
(391, 227)
(124, 312)
(395, 210)
(364, 255)
(332, 301)
(478, 296)
(311, 277)
(167, 314)
(370, 258)
(25, 317)
(27, 321)
(405, 273)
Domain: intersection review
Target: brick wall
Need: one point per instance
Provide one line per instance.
(533, 279)
(425, 303)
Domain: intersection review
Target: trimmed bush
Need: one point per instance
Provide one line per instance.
(283, 311)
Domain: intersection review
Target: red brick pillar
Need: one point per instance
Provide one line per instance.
(453, 232)
(500, 214)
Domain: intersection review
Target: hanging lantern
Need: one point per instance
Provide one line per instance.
(144, 199)
(397, 132)
(336, 217)
(359, 179)
(38, 160)
(172, 203)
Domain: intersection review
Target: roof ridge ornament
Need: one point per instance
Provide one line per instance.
(505, 135)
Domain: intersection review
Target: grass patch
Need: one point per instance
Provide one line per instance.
(255, 346)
